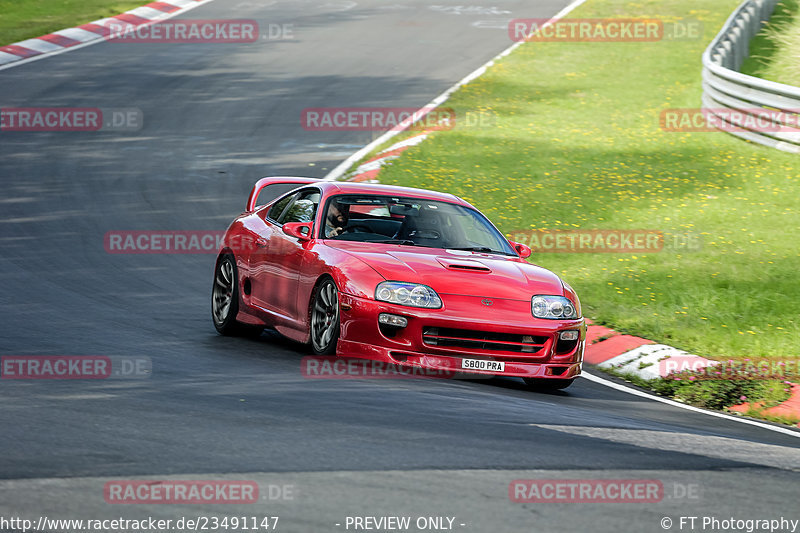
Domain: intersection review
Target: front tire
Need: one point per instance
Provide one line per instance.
(547, 385)
(325, 318)
(225, 300)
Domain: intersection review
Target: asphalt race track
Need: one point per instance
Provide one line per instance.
(216, 118)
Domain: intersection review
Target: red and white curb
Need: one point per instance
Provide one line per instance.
(368, 171)
(91, 33)
(626, 354)
(606, 348)
(651, 361)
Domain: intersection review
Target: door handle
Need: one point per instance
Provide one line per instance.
(262, 243)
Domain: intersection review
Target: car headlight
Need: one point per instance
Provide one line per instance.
(411, 294)
(553, 307)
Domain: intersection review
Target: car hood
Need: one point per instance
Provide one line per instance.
(456, 272)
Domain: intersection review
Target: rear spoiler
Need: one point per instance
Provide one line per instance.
(274, 180)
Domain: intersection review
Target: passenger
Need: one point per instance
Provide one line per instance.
(336, 220)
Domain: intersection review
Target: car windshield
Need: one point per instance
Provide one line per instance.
(411, 222)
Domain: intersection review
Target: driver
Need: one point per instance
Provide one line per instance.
(335, 220)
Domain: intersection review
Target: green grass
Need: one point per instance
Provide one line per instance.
(763, 46)
(775, 51)
(716, 394)
(577, 144)
(23, 19)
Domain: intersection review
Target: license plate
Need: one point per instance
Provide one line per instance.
(483, 364)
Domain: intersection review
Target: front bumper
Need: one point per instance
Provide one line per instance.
(465, 328)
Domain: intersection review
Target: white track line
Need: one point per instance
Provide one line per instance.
(99, 39)
(337, 172)
(635, 392)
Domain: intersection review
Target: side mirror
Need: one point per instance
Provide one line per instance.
(523, 250)
(298, 230)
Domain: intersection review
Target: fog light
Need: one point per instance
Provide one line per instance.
(393, 320)
(568, 335)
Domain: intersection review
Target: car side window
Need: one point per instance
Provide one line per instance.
(303, 208)
(277, 209)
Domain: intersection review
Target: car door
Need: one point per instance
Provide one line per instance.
(277, 259)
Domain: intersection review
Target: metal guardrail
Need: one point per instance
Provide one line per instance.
(738, 100)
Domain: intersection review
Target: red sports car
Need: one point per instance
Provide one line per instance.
(399, 275)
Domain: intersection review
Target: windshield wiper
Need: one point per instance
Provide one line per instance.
(484, 249)
(396, 241)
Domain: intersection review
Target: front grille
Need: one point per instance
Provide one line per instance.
(482, 340)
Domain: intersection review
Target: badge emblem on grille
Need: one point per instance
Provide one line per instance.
(487, 301)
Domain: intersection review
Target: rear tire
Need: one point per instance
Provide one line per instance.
(225, 300)
(545, 385)
(325, 318)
